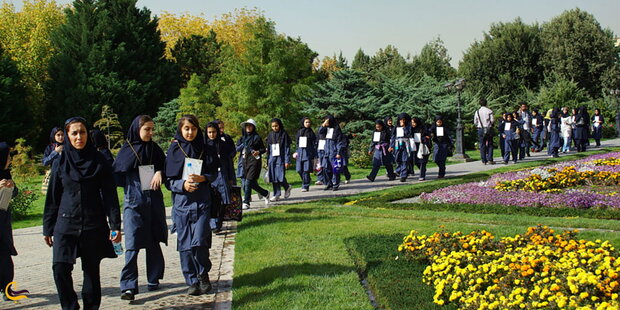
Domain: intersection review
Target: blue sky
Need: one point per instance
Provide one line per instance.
(329, 27)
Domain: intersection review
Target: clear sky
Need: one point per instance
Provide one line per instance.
(329, 27)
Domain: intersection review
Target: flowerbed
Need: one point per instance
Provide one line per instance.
(540, 269)
(585, 183)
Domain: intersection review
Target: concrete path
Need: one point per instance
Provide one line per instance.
(33, 268)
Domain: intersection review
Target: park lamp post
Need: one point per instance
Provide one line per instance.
(458, 86)
(616, 93)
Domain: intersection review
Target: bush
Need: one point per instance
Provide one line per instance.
(358, 147)
(23, 166)
(21, 204)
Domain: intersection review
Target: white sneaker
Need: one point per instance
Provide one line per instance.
(318, 183)
(266, 198)
(245, 206)
(304, 189)
(274, 198)
(287, 192)
(346, 181)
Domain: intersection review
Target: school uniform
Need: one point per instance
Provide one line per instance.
(537, 129)
(401, 144)
(345, 159)
(511, 140)
(221, 186)
(502, 140)
(331, 144)
(101, 144)
(50, 154)
(7, 247)
(250, 165)
(306, 153)
(278, 156)
(80, 196)
(597, 128)
(441, 147)
(566, 131)
(525, 121)
(144, 212)
(421, 136)
(191, 210)
(582, 125)
(381, 155)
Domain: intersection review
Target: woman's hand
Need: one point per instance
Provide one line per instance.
(118, 237)
(286, 166)
(156, 181)
(338, 156)
(7, 183)
(189, 186)
(58, 149)
(196, 178)
(391, 150)
(255, 153)
(49, 240)
(325, 123)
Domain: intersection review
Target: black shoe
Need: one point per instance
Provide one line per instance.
(335, 188)
(127, 295)
(505, 162)
(403, 179)
(440, 176)
(392, 178)
(491, 163)
(194, 289)
(205, 285)
(370, 179)
(153, 287)
(328, 187)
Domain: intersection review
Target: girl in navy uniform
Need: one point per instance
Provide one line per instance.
(81, 195)
(279, 159)
(101, 143)
(522, 141)
(306, 152)
(331, 150)
(53, 150)
(511, 138)
(251, 147)
(502, 141)
(221, 187)
(7, 249)
(538, 126)
(582, 125)
(555, 140)
(144, 213)
(400, 145)
(442, 144)
(320, 174)
(191, 202)
(597, 126)
(228, 169)
(421, 136)
(379, 148)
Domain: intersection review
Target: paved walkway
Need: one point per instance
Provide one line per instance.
(33, 270)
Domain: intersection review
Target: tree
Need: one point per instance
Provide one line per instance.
(505, 63)
(166, 123)
(577, 48)
(198, 55)
(229, 28)
(25, 37)
(361, 61)
(109, 53)
(348, 97)
(388, 62)
(561, 93)
(433, 61)
(14, 115)
(111, 127)
(267, 79)
(199, 98)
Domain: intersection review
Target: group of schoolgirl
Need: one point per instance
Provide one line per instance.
(408, 144)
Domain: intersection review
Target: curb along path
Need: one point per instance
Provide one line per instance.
(33, 265)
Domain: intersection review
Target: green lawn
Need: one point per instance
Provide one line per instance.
(311, 255)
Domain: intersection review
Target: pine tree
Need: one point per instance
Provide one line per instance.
(111, 127)
(361, 61)
(109, 53)
(14, 115)
(166, 123)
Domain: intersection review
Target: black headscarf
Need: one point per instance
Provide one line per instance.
(446, 130)
(385, 132)
(53, 144)
(305, 132)
(385, 121)
(148, 153)
(562, 114)
(215, 143)
(4, 156)
(420, 127)
(175, 159)
(333, 123)
(280, 137)
(99, 139)
(82, 164)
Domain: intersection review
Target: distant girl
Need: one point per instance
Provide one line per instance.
(251, 147)
(379, 148)
(421, 136)
(331, 148)
(554, 132)
(191, 201)
(511, 138)
(442, 144)
(400, 145)
(566, 127)
(279, 159)
(582, 125)
(101, 143)
(306, 152)
(597, 126)
(7, 249)
(222, 185)
(144, 212)
(53, 150)
(538, 129)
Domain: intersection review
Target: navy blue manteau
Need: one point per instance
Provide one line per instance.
(50, 154)
(305, 155)
(80, 197)
(144, 213)
(6, 230)
(276, 164)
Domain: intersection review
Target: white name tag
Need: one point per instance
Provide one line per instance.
(534, 122)
(507, 126)
(418, 137)
(146, 173)
(330, 133)
(303, 142)
(412, 146)
(321, 145)
(192, 166)
(400, 132)
(596, 119)
(440, 131)
(275, 150)
(376, 137)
